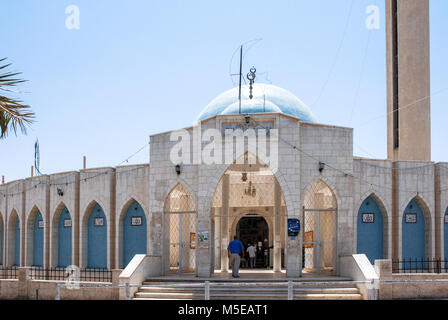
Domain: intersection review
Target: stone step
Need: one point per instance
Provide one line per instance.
(244, 279)
(247, 284)
(248, 289)
(241, 296)
(163, 299)
(257, 289)
(169, 295)
(313, 296)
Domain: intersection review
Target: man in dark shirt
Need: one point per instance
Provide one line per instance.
(234, 249)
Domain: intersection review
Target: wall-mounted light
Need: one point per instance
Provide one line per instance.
(321, 167)
(247, 118)
(60, 192)
(177, 168)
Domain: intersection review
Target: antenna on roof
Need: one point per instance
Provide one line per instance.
(264, 102)
(241, 74)
(249, 44)
(37, 157)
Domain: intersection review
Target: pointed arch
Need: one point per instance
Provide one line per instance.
(61, 245)
(94, 236)
(319, 235)
(320, 195)
(14, 239)
(372, 228)
(267, 219)
(132, 232)
(221, 170)
(34, 235)
(247, 186)
(445, 234)
(415, 230)
(2, 239)
(179, 222)
(179, 199)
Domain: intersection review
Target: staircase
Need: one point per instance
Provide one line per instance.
(227, 289)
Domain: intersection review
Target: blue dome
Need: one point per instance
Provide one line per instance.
(267, 98)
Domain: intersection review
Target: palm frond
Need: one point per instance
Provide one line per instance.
(14, 115)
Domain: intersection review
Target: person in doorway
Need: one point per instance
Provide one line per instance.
(235, 249)
(252, 255)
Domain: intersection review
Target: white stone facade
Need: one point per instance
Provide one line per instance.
(300, 149)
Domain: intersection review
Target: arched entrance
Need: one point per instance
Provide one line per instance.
(38, 240)
(34, 245)
(179, 232)
(319, 229)
(370, 230)
(64, 238)
(134, 232)
(13, 243)
(248, 187)
(445, 235)
(1, 239)
(16, 261)
(254, 230)
(414, 236)
(97, 238)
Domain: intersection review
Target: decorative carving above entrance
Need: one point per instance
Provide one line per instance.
(239, 129)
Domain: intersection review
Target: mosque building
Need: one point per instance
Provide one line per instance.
(183, 213)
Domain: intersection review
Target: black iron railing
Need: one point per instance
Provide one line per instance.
(8, 273)
(38, 273)
(420, 265)
(99, 275)
(94, 275)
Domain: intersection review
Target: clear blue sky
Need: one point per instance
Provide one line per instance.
(136, 68)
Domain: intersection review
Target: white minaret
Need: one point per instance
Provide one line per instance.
(408, 80)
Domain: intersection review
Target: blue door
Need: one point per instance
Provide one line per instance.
(1, 242)
(445, 235)
(64, 239)
(17, 243)
(134, 236)
(414, 235)
(370, 230)
(97, 239)
(38, 241)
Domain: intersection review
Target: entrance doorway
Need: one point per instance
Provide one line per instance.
(319, 240)
(253, 229)
(249, 203)
(319, 230)
(182, 242)
(179, 232)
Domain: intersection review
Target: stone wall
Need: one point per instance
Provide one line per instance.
(334, 147)
(24, 288)
(301, 147)
(374, 178)
(111, 188)
(395, 286)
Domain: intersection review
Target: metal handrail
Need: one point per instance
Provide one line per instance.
(372, 285)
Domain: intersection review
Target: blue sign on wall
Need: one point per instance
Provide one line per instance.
(293, 227)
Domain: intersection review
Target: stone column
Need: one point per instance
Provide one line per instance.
(218, 237)
(76, 222)
(277, 236)
(293, 254)
(203, 258)
(224, 218)
(47, 239)
(112, 222)
(23, 276)
(166, 236)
